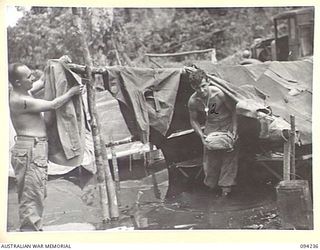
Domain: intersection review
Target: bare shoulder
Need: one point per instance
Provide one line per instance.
(216, 92)
(192, 101)
(14, 101)
(17, 103)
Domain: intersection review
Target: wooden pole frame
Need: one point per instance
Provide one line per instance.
(108, 199)
(289, 153)
(180, 53)
(293, 147)
(286, 160)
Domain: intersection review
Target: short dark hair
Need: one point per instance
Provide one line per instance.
(13, 73)
(195, 77)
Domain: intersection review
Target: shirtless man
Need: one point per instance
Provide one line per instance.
(30, 152)
(220, 167)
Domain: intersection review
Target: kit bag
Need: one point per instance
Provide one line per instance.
(220, 141)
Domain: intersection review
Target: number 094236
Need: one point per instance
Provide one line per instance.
(309, 246)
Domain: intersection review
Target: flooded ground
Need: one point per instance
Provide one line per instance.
(73, 204)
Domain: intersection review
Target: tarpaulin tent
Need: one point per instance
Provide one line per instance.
(158, 97)
(287, 86)
(153, 102)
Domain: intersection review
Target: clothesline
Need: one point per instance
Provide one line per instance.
(80, 69)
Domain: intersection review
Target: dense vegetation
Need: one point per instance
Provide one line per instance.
(127, 34)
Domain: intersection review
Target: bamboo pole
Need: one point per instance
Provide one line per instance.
(179, 53)
(80, 69)
(156, 189)
(114, 200)
(293, 147)
(203, 37)
(119, 142)
(116, 50)
(104, 199)
(157, 64)
(115, 168)
(97, 151)
(130, 162)
(286, 160)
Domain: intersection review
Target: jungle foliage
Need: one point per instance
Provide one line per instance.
(126, 34)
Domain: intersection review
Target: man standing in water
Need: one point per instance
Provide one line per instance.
(220, 166)
(30, 152)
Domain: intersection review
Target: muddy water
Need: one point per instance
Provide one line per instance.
(73, 204)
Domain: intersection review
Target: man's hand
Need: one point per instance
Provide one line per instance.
(203, 139)
(65, 59)
(76, 90)
(37, 85)
(235, 134)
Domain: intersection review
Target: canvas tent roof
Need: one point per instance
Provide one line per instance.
(287, 86)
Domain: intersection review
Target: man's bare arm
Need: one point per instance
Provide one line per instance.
(234, 114)
(37, 85)
(195, 124)
(31, 105)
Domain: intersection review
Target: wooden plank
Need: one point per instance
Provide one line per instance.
(181, 133)
(271, 158)
(280, 158)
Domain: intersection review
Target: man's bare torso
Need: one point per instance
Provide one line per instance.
(25, 123)
(212, 102)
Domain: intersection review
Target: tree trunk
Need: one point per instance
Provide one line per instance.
(98, 145)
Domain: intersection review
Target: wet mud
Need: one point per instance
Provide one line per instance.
(73, 204)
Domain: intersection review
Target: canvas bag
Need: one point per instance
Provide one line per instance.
(272, 128)
(220, 141)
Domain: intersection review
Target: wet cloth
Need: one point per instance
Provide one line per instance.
(149, 94)
(66, 125)
(29, 161)
(88, 161)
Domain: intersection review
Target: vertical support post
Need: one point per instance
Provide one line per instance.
(104, 201)
(293, 147)
(115, 169)
(116, 50)
(156, 189)
(146, 59)
(286, 160)
(111, 189)
(213, 56)
(97, 148)
(146, 159)
(130, 162)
